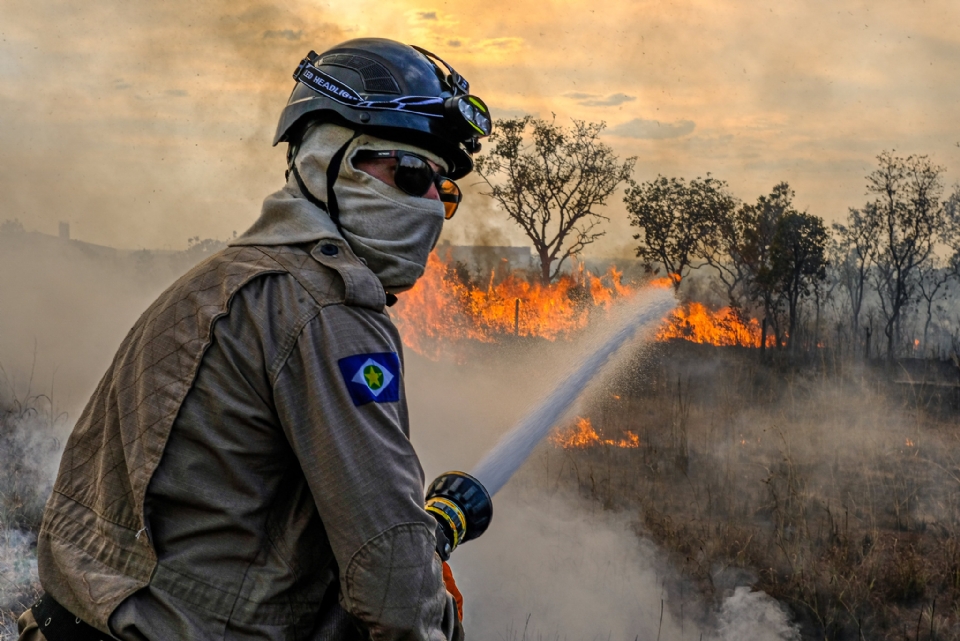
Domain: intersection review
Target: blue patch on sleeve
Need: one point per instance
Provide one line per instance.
(372, 378)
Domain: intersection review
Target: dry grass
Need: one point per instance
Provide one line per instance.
(838, 494)
(28, 449)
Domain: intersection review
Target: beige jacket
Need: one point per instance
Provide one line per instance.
(224, 483)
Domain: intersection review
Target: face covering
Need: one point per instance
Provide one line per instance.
(389, 229)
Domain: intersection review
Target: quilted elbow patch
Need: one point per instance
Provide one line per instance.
(394, 580)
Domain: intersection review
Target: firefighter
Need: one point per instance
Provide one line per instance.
(243, 470)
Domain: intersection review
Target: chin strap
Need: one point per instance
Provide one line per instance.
(307, 193)
(333, 171)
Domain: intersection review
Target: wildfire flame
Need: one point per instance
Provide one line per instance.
(582, 436)
(695, 323)
(445, 308)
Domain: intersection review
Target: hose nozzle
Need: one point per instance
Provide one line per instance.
(462, 507)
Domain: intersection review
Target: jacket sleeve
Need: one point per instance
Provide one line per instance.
(365, 477)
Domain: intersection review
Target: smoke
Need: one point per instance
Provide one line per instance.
(637, 316)
(549, 567)
(66, 307)
(29, 454)
(754, 616)
(19, 584)
(553, 565)
(480, 221)
(145, 124)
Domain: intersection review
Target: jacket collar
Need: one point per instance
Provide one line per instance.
(287, 218)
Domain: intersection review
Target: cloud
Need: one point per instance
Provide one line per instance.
(652, 129)
(610, 101)
(505, 45)
(176, 93)
(427, 15)
(453, 43)
(594, 100)
(284, 34)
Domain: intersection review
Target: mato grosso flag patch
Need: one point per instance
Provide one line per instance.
(372, 378)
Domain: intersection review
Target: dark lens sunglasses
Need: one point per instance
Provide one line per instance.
(414, 175)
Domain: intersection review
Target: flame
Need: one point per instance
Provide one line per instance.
(667, 281)
(441, 306)
(695, 323)
(582, 436)
(445, 308)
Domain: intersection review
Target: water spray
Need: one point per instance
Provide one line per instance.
(462, 503)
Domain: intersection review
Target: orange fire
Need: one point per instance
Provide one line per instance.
(444, 308)
(441, 307)
(695, 323)
(582, 435)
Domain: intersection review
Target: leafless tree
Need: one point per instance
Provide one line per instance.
(853, 251)
(551, 182)
(728, 257)
(933, 278)
(909, 218)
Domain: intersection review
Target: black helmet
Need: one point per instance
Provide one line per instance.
(393, 91)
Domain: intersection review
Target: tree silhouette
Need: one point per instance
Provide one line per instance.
(909, 218)
(550, 183)
(678, 222)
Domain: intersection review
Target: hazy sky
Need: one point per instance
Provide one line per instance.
(144, 124)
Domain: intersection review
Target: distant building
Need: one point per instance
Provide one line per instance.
(486, 258)
(64, 230)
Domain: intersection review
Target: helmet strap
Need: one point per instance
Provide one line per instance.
(316, 202)
(293, 148)
(333, 170)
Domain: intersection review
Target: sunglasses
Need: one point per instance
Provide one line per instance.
(414, 175)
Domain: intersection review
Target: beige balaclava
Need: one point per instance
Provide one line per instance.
(389, 229)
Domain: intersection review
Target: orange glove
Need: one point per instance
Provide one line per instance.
(451, 586)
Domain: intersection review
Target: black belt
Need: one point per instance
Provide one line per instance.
(58, 624)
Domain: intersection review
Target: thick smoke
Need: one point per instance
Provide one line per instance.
(553, 566)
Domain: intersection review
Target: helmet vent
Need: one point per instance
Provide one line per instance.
(376, 78)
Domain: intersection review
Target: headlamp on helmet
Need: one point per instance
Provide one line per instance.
(468, 117)
(468, 114)
(392, 91)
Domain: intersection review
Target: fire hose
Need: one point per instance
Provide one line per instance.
(462, 503)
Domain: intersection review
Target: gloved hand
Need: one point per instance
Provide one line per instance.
(452, 588)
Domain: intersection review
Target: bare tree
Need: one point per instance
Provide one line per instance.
(678, 222)
(935, 284)
(551, 182)
(854, 249)
(933, 278)
(909, 217)
(727, 254)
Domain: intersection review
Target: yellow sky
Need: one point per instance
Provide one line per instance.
(144, 124)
